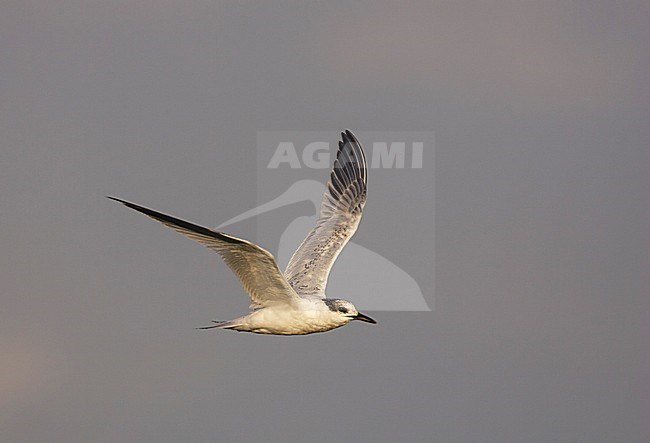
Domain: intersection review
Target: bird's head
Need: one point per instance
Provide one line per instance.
(347, 310)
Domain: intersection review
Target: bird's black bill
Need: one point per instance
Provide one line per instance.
(365, 318)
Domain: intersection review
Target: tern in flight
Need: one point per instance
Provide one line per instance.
(293, 303)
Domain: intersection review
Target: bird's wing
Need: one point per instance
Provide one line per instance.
(340, 213)
(254, 266)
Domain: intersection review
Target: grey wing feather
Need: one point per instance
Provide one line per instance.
(255, 267)
(340, 214)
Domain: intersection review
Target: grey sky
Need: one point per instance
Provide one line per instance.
(540, 327)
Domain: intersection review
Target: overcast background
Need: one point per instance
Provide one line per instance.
(540, 326)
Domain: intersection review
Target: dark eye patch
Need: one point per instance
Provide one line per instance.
(343, 310)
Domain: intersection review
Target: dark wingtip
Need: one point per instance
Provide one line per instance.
(355, 150)
(173, 221)
(131, 205)
(348, 135)
(117, 199)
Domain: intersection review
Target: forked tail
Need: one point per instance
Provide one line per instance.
(219, 325)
